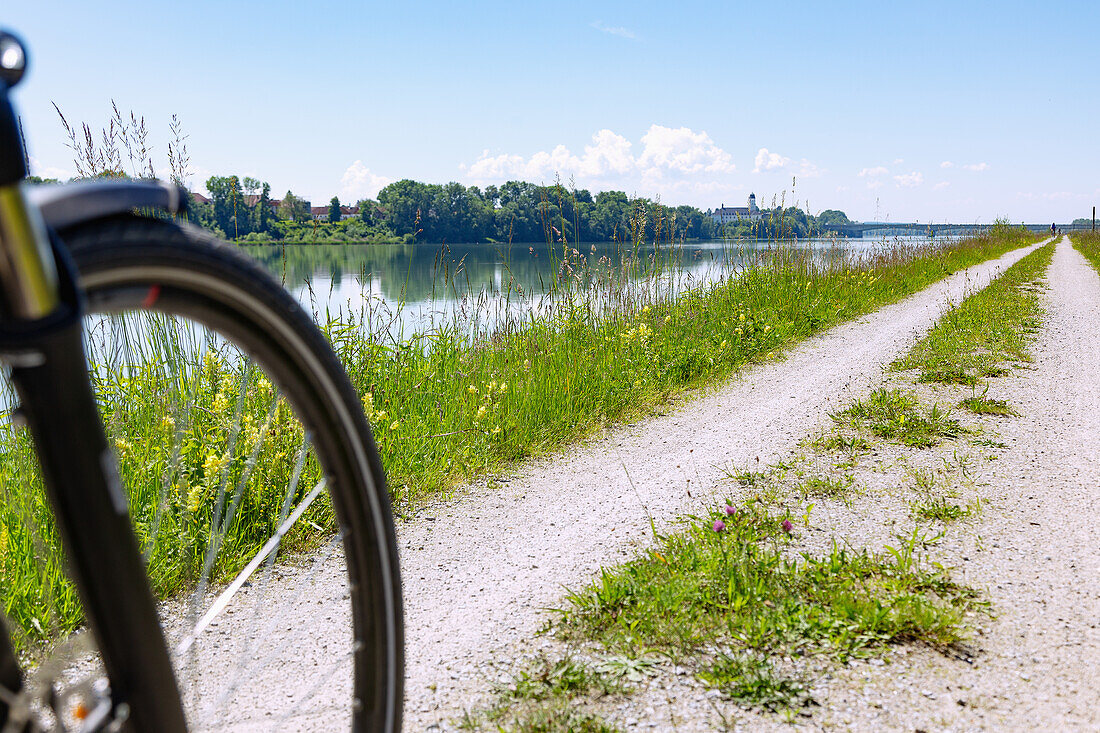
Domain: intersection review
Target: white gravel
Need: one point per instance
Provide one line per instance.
(1036, 549)
(480, 570)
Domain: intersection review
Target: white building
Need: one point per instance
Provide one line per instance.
(729, 214)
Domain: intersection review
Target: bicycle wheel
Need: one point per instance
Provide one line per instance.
(231, 416)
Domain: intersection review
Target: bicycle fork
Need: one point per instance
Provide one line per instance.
(41, 341)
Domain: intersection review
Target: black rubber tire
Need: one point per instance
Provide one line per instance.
(128, 263)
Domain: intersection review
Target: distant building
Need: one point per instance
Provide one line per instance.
(198, 198)
(252, 199)
(729, 214)
(320, 213)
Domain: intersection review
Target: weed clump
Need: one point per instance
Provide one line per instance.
(897, 415)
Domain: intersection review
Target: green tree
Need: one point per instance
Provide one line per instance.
(263, 208)
(230, 211)
(294, 209)
(334, 211)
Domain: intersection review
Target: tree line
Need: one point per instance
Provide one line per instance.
(516, 211)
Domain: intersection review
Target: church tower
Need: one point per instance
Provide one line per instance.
(752, 204)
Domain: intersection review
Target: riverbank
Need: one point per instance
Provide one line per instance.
(822, 562)
(444, 408)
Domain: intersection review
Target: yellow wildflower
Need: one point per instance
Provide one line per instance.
(472, 389)
(481, 412)
(394, 424)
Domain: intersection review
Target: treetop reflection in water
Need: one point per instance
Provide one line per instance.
(400, 290)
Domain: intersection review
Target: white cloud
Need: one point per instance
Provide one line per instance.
(941, 184)
(874, 184)
(873, 172)
(680, 149)
(976, 166)
(769, 161)
(358, 182)
(616, 30)
(947, 164)
(898, 161)
(48, 171)
(909, 180)
(668, 160)
(806, 169)
(1052, 196)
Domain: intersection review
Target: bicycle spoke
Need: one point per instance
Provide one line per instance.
(269, 548)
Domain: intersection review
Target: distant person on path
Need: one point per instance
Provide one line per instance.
(1053, 229)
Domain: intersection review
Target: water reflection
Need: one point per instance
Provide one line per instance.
(406, 289)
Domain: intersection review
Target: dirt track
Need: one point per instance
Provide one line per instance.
(479, 570)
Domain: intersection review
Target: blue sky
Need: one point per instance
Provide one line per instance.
(901, 111)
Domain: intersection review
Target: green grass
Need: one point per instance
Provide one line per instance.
(444, 407)
(991, 327)
(983, 405)
(897, 415)
(825, 486)
(753, 681)
(1088, 244)
(545, 697)
(939, 508)
(738, 590)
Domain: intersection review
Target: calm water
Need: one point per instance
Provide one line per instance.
(404, 289)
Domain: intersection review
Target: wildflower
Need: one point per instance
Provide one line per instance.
(394, 424)
(380, 415)
(723, 345)
(730, 511)
(481, 412)
(504, 388)
(526, 365)
(742, 318)
(472, 389)
(668, 319)
(719, 525)
(787, 526)
(496, 430)
(645, 310)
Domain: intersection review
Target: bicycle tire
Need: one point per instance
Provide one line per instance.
(132, 263)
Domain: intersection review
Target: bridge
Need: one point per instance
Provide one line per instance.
(876, 229)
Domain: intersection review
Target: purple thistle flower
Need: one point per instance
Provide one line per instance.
(787, 526)
(719, 525)
(730, 511)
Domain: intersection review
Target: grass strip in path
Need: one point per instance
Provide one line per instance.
(991, 327)
(732, 600)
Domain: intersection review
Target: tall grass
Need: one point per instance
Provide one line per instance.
(188, 419)
(1088, 244)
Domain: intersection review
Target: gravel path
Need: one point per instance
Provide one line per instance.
(1036, 549)
(479, 570)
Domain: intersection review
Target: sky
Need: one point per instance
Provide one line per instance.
(906, 111)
